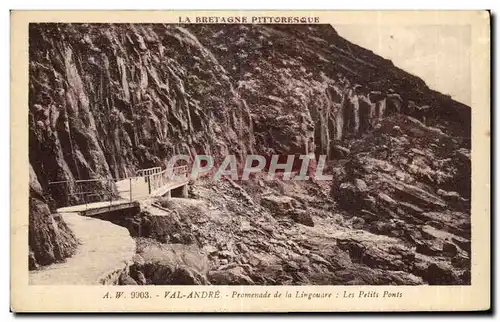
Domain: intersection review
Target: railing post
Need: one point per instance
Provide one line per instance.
(130, 187)
(68, 191)
(110, 192)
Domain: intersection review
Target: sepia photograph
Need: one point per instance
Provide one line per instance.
(232, 150)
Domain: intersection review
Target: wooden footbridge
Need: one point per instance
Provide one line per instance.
(97, 196)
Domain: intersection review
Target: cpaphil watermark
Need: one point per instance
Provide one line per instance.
(295, 167)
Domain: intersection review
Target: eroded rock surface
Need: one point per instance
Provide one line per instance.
(50, 239)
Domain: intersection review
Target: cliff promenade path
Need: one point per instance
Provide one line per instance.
(103, 248)
(106, 249)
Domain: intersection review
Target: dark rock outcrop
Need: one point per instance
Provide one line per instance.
(163, 264)
(399, 182)
(231, 276)
(50, 239)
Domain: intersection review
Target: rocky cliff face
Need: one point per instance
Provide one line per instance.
(50, 240)
(306, 84)
(106, 100)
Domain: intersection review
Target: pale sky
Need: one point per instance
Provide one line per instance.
(438, 54)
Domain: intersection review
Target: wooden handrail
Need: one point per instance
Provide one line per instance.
(82, 189)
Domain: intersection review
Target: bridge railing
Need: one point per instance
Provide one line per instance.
(76, 192)
(147, 172)
(174, 174)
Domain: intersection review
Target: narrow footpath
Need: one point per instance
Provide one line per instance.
(104, 248)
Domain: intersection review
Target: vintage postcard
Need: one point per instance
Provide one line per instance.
(250, 161)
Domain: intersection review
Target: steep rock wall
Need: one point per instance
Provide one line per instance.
(105, 101)
(50, 239)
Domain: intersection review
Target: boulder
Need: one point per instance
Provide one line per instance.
(277, 205)
(360, 185)
(291, 267)
(185, 276)
(357, 222)
(165, 264)
(441, 274)
(452, 197)
(232, 276)
(428, 248)
(462, 243)
(450, 249)
(351, 194)
(163, 274)
(302, 217)
(125, 279)
(416, 195)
